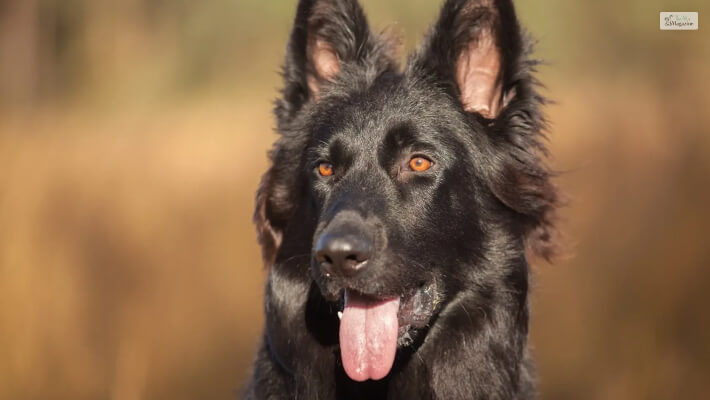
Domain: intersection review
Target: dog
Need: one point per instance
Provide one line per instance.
(400, 210)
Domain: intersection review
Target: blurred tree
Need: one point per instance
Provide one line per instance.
(19, 53)
(61, 25)
(40, 48)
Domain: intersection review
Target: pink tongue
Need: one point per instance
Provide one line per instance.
(368, 336)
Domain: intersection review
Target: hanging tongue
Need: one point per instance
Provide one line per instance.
(368, 336)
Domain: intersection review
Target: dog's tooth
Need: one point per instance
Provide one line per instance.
(340, 315)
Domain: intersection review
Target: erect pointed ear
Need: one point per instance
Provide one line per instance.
(327, 37)
(476, 51)
(472, 50)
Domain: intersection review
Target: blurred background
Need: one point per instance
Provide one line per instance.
(133, 135)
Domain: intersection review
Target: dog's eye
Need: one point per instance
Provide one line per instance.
(419, 164)
(325, 169)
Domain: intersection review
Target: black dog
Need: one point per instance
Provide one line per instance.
(396, 215)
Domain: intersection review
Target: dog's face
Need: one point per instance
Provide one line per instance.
(393, 187)
(402, 184)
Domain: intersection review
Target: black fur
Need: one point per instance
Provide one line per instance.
(460, 228)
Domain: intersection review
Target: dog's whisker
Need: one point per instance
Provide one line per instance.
(295, 257)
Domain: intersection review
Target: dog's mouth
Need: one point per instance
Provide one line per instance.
(371, 328)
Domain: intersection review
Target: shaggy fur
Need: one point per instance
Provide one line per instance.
(454, 236)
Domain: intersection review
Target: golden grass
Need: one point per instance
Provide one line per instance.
(127, 256)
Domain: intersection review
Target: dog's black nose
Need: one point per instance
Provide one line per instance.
(343, 254)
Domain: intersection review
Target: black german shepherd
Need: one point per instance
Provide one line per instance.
(397, 212)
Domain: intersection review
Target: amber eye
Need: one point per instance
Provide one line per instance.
(325, 169)
(419, 164)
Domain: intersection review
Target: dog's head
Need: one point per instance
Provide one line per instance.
(397, 184)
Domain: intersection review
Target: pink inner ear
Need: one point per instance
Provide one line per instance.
(324, 62)
(478, 75)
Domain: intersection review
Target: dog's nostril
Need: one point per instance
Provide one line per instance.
(344, 254)
(351, 263)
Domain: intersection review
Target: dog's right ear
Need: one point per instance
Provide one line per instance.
(327, 36)
(330, 38)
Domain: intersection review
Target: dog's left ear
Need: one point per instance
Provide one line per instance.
(472, 50)
(476, 51)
